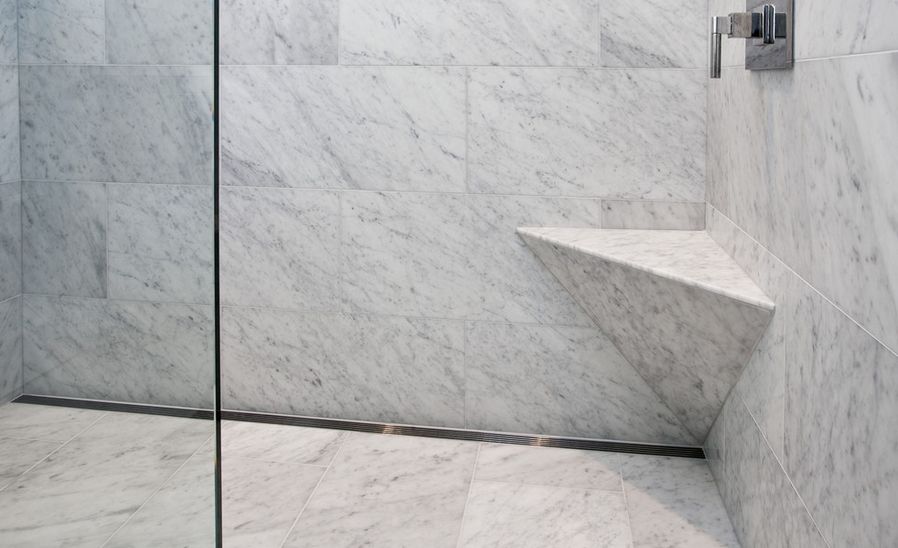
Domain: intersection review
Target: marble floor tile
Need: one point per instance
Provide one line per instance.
(548, 466)
(389, 491)
(500, 514)
(83, 492)
(18, 455)
(674, 502)
(278, 443)
(44, 423)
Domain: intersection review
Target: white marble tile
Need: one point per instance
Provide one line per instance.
(10, 240)
(566, 381)
(17, 456)
(159, 32)
(181, 513)
(548, 466)
(389, 491)
(659, 300)
(44, 423)
(344, 127)
(841, 408)
(651, 215)
(408, 253)
(478, 32)
(160, 243)
(9, 123)
(9, 36)
(279, 443)
(343, 366)
(279, 32)
(64, 239)
(61, 31)
(82, 493)
(116, 350)
(11, 379)
(715, 448)
(503, 514)
(858, 26)
(281, 248)
(582, 132)
(674, 502)
(637, 34)
(512, 285)
(262, 500)
(126, 124)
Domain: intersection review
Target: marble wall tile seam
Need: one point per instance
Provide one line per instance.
(162, 484)
(792, 272)
(414, 66)
(114, 300)
(123, 183)
(822, 58)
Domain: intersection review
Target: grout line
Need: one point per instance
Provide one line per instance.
(314, 490)
(157, 490)
(114, 300)
(806, 282)
(623, 488)
(51, 453)
(464, 512)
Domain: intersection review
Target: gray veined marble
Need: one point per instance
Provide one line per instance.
(548, 466)
(9, 124)
(652, 215)
(45, 423)
(639, 33)
(344, 366)
(587, 132)
(674, 303)
(476, 32)
(160, 243)
(118, 124)
(18, 456)
(279, 32)
(10, 240)
(536, 516)
(159, 32)
(279, 443)
(398, 127)
(389, 491)
(62, 31)
(564, 381)
(9, 37)
(280, 248)
(11, 381)
(858, 26)
(117, 350)
(64, 239)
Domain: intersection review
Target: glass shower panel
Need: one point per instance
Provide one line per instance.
(108, 382)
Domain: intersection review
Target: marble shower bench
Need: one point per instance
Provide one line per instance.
(677, 307)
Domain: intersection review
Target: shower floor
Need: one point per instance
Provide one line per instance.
(78, 477)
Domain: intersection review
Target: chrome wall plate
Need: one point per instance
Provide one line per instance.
(759, 53)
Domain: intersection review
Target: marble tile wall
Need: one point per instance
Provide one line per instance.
(377, 157)
(804, 450)
(116, 199)
(10, 209)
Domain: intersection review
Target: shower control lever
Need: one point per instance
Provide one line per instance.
(767, 25)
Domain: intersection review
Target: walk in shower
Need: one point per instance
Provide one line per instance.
(436, 273)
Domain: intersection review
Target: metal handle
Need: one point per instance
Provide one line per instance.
(768, 24)
(719, 27)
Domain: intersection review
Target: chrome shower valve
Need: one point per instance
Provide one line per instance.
(767, 26)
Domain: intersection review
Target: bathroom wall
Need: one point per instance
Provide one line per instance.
(377, 156)
(116, 154)
(802, 192)
(10, 210)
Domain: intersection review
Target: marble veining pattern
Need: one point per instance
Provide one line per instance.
(477, 32)
(279, 32)
(9, 123)
(398, 127)
(45, 423)
(638, 34)
(18, 456)
(280, 248)
(278, 443)
(11, 381)
(9, 37)
(651, 215)
(159, 32)
(117, 124)
(688, 343)
(407, 370)
(548, 466)
(10, 240)
(160, 243)
(62, 31)
(859, 26)
(566, 381)
(118, 350)
(587, 132)
(64, 231)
